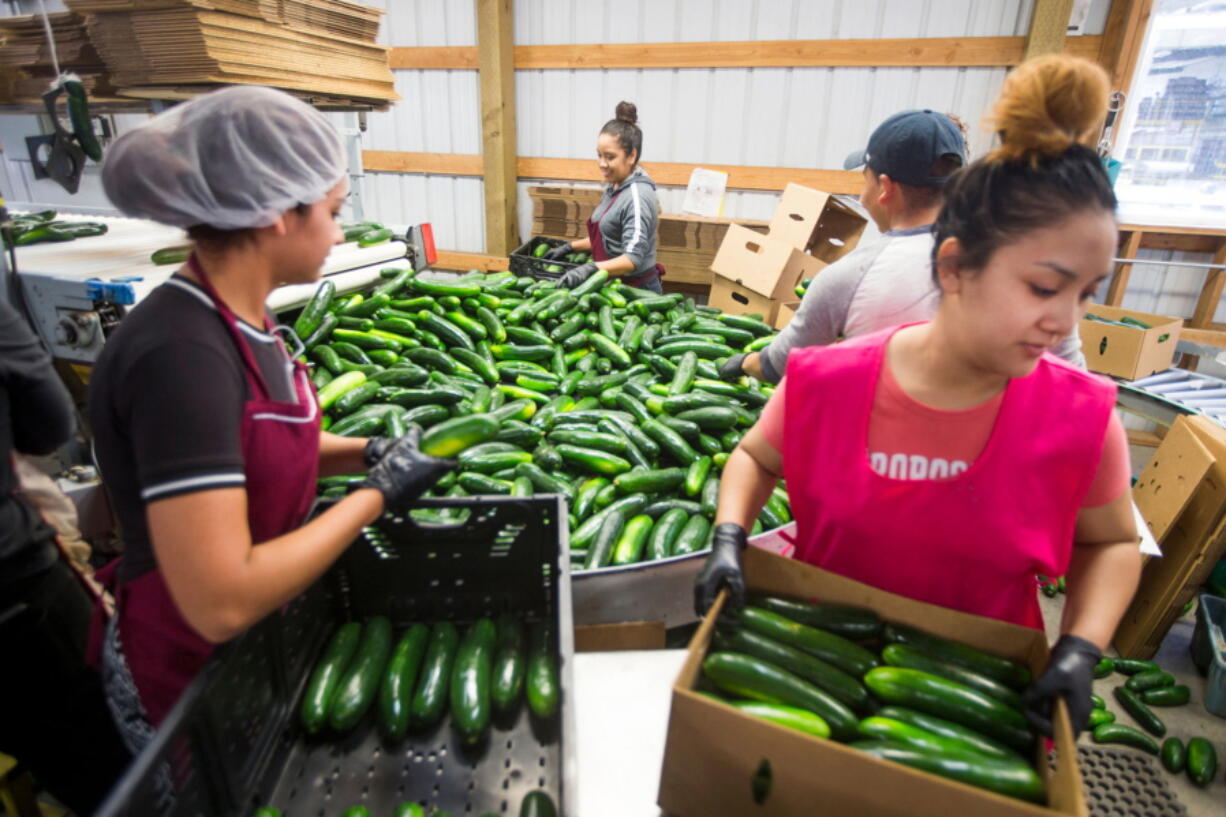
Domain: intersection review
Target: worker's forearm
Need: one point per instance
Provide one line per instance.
(752, 365)
(1101, 581)
(340, 455)
(744, 487)
(581, 245)
(617, 267)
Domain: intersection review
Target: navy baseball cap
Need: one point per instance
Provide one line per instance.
(907, 145)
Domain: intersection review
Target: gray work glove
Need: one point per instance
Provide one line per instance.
(560, 251)
(1070, 672)
(575, 277)
(731, 369)
(723, 568)
(404, 473)
(375, 448)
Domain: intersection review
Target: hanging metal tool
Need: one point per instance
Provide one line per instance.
(1115, 104)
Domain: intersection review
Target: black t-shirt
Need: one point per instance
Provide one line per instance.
(35, 418)
(166, 405)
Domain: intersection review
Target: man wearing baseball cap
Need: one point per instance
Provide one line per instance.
(888, 282)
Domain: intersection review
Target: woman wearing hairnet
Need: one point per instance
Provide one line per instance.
(207, 431)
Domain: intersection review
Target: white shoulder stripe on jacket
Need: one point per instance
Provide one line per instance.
(638, 221)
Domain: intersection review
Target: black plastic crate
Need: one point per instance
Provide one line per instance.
(524, 264)
(233, 742)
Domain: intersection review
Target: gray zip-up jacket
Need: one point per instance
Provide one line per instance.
(628, 219)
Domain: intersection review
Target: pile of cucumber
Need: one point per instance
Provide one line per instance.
(39, 228)
(535, 804)
(1148, 685)
(606, 394)
(889, 690)
(429, 671)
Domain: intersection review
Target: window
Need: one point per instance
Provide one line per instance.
(1173, 136)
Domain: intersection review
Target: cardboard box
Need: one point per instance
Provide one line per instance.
(713, 750)
(816, 223)
(1182, 496)
(786, 312)
(1128, 352)
(755, 273)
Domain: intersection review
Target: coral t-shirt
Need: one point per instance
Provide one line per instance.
(910, 440)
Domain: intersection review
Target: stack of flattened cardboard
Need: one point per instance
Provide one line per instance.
(757, 274)
(25, 56)
(324, 48)
(1182, 497)
(685, 245)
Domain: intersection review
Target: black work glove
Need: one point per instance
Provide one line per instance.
(1070, 672)
(405, 473)
(731, 369)
(560, 251)
(575, 277)
(723, 567)
(375, 448)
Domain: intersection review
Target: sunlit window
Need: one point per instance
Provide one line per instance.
(1173, 142)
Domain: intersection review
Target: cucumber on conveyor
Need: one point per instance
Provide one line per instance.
(326, 677)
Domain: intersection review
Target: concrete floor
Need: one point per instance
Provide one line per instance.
(1182, 721)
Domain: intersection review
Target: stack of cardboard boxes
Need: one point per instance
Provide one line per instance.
(686, 245)
(757, 274)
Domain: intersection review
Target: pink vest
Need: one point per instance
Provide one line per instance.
(972, 543)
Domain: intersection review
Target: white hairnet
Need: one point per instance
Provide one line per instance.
(232, 159)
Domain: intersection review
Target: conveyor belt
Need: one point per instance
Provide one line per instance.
(1165, 396)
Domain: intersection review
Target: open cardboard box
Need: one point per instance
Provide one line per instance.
(1127, 352)
(816, 223)
(713, 751)
(1182, 496)
(785, 313)
(755, 273)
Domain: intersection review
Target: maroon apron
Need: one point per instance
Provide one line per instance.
(280, 444)
(599, 253)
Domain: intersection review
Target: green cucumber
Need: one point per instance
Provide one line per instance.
(1008, 777)
(665, 532)
(477, 363)
(693, 536)
(1140, 712)
(957, 735)
(951, 700)
(363, 677)
(710, 418)
(826, 676)
(633, 538)
(332, 392)
(1104, 668)
(538, 803)
(600, 553)
(470, 682)
(542, 685)
(1125, 735)
(313, 313)
(1150, 679)
(900, 655)
(326, 677)
(640, 481)
(585, 497)
(450, 437)
(432, 359)
(542, 481)
(847, 656)
(1131, 666)
(1174, 755)
(670, 442)
(1005, 670)
(495, 461)
(683, 378)
(594, 460)
(696, 476)
(750, 677)
(610, 443)
(1100, 716)
(510, 664)
(802, 720)
(396, 694)
(856, 623)
(430, 697)
(1201, 762)
(1177, 695)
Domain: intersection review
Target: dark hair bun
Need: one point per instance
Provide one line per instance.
(1047, 105)
(627, 112)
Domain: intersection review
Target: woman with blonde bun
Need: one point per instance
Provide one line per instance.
(950, 461)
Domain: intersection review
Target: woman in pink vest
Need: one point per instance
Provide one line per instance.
(951, 461)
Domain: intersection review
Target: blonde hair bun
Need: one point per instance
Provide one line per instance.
(1047, 105)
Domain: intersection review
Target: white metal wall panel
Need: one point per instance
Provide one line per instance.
(454, 206)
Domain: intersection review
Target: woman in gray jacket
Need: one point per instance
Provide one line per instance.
(622, 230)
